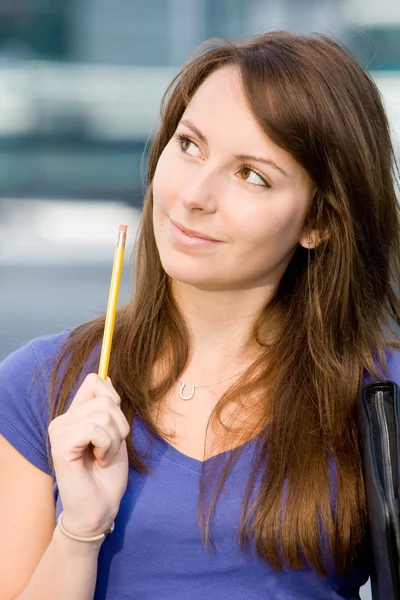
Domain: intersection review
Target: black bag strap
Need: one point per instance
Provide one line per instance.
(379, 431)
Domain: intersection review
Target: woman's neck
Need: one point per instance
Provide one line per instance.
(220, 326)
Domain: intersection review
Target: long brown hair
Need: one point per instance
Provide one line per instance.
(317, 103)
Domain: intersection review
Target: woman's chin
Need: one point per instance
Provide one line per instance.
(194, 277)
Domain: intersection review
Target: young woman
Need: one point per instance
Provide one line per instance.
(224, 446)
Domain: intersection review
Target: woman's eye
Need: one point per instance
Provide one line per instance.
(188, 146)
(252, 176)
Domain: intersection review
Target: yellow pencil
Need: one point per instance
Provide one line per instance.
(112, 302)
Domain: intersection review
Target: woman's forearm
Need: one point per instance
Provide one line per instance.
(67, 571)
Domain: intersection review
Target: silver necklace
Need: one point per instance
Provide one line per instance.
(194, 387)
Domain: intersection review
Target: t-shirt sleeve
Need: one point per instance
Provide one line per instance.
(24, 405)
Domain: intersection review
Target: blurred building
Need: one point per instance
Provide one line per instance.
(81, 80)
(373, 32)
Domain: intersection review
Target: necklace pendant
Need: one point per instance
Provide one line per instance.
(186, 397)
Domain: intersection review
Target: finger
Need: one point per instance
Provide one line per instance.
(71, 443)
(103, 404)
(108, 415)
(107, 423)
(92, 387)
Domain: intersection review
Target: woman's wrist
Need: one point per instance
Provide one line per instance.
(85, 526)
(72, 548)
(86, 538)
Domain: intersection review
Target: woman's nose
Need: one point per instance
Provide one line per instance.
(199, 192)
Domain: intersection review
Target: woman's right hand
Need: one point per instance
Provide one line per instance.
(90, 457)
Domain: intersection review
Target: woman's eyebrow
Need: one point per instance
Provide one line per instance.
(193, 127)
(241, 157)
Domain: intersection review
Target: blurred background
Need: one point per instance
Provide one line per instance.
(80, 87)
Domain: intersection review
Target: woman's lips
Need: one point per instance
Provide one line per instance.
(190, 237)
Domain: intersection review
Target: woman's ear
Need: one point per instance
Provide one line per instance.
(313, 238)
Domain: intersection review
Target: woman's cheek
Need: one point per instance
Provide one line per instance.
(167, 178)
(158, 180)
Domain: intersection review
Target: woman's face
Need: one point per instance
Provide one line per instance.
(229, 205)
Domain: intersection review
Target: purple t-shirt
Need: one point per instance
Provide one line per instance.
(156, 551)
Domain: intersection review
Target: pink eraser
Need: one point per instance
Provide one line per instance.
(123, 228)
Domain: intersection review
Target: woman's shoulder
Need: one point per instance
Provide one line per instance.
(24, 396)
(45, 348)
(35, 358)
(392, 372)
